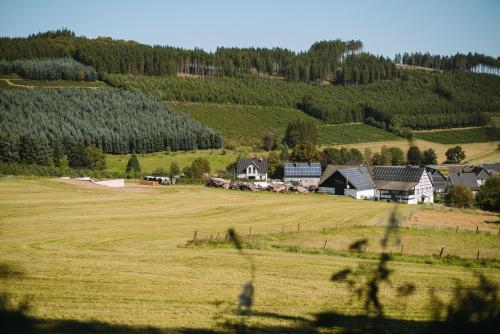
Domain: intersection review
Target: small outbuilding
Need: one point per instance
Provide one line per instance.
(302, 173)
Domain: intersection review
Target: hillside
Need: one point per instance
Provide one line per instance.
(418, 100)
(117, 121)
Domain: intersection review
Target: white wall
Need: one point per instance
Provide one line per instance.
(424, 187)
(360, 194)
(305, 181)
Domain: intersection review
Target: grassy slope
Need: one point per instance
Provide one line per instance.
(243, 125)
(475, 135)
(151, 161)
(476, 152)
(113, 256)
(246, 125)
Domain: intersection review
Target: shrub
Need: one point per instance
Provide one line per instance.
(488, 197)
(459, 196)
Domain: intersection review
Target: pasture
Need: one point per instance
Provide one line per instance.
(246, 125)
(475, 152)
(219, 159)
(90, 256)
(460, 136)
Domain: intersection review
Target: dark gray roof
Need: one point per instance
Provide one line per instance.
(397, 173)
(330, 170)
(494, 166)
(467, 179)
(437, 178)
(260, 163)
(358, 177)
(302, 169)
(481, 173)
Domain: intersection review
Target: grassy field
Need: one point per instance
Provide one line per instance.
(246, 125)
(475, 135)
(15, 81)
(353, 133)
(118, 257)
(475, 152)
(219, 159)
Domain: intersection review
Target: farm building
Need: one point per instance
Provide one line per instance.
(252, 169)
(350, 181)
(302, 173)
(438, 181)
(407, 184)
(467, 179)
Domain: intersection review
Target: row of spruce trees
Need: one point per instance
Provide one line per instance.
(114, 120)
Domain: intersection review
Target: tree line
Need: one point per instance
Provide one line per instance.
(322, 62)
(458, 61)
(114, 120)
(49, 69)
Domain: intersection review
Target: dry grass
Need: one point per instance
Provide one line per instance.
(114, 256)
(474, 152)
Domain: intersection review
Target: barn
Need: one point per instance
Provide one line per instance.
(355, 182)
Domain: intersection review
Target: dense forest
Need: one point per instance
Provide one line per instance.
(49, 69)
(419, 99)
(114, 120)
(322, 62)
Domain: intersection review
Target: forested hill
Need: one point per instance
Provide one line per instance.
(335, 60)
(115, 120)
(419, 99)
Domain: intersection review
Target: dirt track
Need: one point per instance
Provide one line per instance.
(129, 187)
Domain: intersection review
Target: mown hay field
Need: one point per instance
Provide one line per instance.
(119, 256)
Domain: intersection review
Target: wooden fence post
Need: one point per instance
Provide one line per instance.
(477, 229)
(456, 231)
(250, 232)
(477, 256)
(441, 252)
(298, 227)
(402, 247)
(324, 246)
(282, 228)
(217, 237)
(195, 235)
(211, 236)
(225, 239)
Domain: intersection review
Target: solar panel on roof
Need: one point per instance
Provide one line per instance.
(358, 177)
(302, 169)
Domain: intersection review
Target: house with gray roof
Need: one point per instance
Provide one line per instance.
(353, 181)
(467, 179)
(252, 169)
(407, 184)
(302, 173)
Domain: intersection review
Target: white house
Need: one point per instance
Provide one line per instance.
(407, 184)
(303, 173)
(352, 181)
(252, 169)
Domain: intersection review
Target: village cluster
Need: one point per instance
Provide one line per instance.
(407, 184)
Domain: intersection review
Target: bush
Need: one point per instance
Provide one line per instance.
(488, 197)
(459, 196)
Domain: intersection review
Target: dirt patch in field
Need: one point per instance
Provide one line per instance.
(129, 187)
(453, 218)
